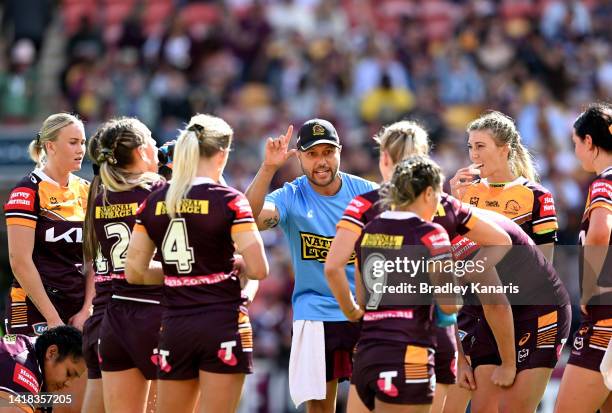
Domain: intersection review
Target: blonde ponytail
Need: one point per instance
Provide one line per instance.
(185, 165)
(521, 162)
(204, 137)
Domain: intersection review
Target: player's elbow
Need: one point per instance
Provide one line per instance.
(257, 269)
(132, 275)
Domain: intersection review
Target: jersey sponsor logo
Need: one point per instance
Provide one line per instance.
(601, 189)
(524, 339)
(547, 205)
(116, 211)
(522, 355)
(39, 328)
(73, 235)
(25, 378)
(436, 241)
(240, 205)
(357, 207)
(186, 206)
(385, 383)
(512, 207)
(10, 338)
(474, 201)
(316, 247)
(440, 211)
(225, 353)
(463, 247)
(385, 241)
(21, 198)
(160, 359)
(492, 204)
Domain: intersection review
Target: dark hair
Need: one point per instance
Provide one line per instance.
(596, 121)
(68, 339)
(410, 178)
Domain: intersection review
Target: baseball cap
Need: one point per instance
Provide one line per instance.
(316, 131)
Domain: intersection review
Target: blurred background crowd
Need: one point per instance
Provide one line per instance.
(263, 64)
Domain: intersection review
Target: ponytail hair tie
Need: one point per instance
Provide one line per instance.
(197, 129)
(96, 169)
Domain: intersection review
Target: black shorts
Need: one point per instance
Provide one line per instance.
(91, 334)
(129, 335)
(538, 341)
(394, 373)
(590, 343)
(446, 355)
(466, 324)
(340, 340)
(24, 317)
(217, 341)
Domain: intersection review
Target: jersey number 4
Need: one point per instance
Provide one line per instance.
(175, 247)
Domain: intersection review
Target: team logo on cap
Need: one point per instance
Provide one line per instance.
(318, 130)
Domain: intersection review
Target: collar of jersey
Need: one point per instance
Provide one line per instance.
(605, 171)
(201, 180)
(399, 215)
(39, 172)
(518, 181)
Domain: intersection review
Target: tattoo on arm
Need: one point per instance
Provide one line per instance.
(271, 222)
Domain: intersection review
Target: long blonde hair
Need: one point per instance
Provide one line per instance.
(49, 132)
(504, 132)
(204, 136)
(403, 139)
(111, 150)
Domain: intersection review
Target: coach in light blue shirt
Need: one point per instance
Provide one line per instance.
(308, 210)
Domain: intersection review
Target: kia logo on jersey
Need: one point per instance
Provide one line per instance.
(71, 236)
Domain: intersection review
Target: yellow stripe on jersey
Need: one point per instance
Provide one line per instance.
(547, 319)
(604, 323)
(18, 294)
(600, 204)
(350, 226)
(545, 227)
(471, 222)
(24, 407)
(21, 221)
(247, 226)
(416, 355)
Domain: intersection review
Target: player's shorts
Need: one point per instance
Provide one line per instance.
(216, 341)
(394, 373)
(466, 324)
(538, 341)
(340, 340)
(24, 317)
(129, 335)
(91, 334)
(590, 343)
(446, 355)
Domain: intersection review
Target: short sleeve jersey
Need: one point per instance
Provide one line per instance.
(456, 218)
(528, 204)
(309, 220)
(114, 218)
(20, 371)
(196, 247)
(56, 214)
(393, 235)
(599, 196)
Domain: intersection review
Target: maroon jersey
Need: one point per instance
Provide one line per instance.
(196, 246)
(524, 266)
(456, 218)
(20, 371)
(600, 196)
(56, 214)
(114, 218)
(391, 235)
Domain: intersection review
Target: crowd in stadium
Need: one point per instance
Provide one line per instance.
(262, 65)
